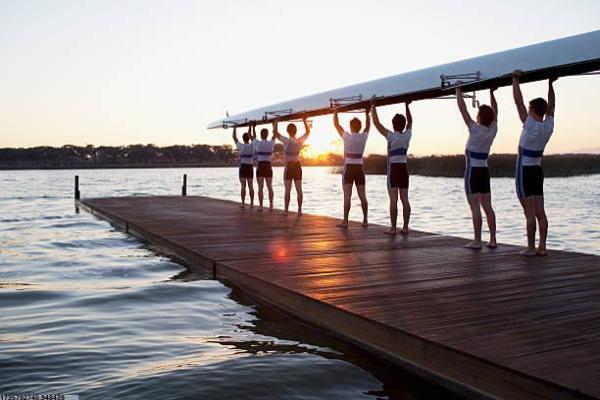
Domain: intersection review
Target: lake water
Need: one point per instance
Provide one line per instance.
(85, 309)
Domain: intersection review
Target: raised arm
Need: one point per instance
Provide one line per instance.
(409, 119)
(518, 96)
(251, 132)
(234, 135)
(276, 133)
(551, 97)
(306, 127)
(462, 107)
(367, 121)
(494, 103)
(336, 122)
(380, 128)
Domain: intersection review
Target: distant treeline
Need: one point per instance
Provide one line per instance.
(501, 165)
(149, 155)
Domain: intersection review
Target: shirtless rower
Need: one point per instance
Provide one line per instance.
(293, 168)
(354, 148)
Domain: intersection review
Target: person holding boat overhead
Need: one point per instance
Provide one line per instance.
(293, 169)
(246, 170)
(263, 151)
(354, 148)
(477, 175)
(538, 126)
(397, 172)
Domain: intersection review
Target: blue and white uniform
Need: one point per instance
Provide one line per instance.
(534, 137)
(477, 175)
(397, 171)
(246, 159)
(292, 147)
(263, 151)
(354, 148)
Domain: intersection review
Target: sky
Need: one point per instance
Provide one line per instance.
(125, 72)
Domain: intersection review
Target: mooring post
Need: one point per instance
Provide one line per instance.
(77, 193)
(184, 187)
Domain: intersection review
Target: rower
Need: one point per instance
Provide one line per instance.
(263, 150)
(477, 174)
(354, 148)
(397, 171)
(293, 168)
(246, 169)
(538, 126)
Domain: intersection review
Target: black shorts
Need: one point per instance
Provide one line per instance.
(246, 171)
(354, 173)
(264, 170)
(398, 176)
(477, 180)
(530, 181)
(293, 171)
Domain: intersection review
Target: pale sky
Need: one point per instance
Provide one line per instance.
(123, 72)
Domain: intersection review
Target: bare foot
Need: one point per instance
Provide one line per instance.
(391, 232)
(365, 223)
(271, 208)
(242, 206)
(527, 252)
(405, 231)
(541, 251)
(299, 212)
(473, 245)
(492, 244)
(251, 205)
(285, 213)
(343, 225)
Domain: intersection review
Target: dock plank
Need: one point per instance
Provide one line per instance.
(505, 325)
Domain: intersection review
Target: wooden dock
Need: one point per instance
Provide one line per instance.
(508, 326)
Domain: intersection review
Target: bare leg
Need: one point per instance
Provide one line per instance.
(243, 192)
(298, 184)
(261, 184)
(362, 195)
(286, 197)
(270, 188)
(528, 204)
(405, 209)
(251, 187)
(393, 194)
(347, 198)
(473, 200)
(486, 203)
(542, 220)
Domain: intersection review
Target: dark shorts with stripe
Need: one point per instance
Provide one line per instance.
(293, 171)
(354, 173)
(477, 180)
(264, 170)
(531, 181)
(398, 176)
(246, 171)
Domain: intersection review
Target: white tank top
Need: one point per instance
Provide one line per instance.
(354, 147)
(292, 147)
(246, 152)
(534, 137)
(398, 146)
(263, 149)
(479, 143)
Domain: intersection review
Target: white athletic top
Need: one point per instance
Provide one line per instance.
(398, 146)
(246, 152)
(354, 147)
(479, 143)
(534, 137)
(292, 147)
(263, 149)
